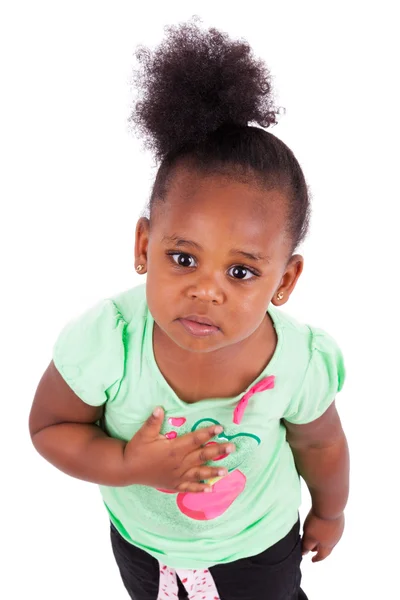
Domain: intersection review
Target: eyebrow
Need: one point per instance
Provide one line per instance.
(178, 241)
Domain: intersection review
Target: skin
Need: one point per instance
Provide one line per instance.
(196, 239)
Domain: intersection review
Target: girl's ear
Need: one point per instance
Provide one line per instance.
(288, 282)
(142, 244)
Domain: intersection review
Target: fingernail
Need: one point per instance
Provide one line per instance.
(218, 429)
(157, 412)
(208, 490)
(230, 449)
(222, 472)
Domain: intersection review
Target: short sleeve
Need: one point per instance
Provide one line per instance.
(89, 353)
(324, 378)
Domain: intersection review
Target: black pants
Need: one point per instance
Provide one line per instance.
(272, 575)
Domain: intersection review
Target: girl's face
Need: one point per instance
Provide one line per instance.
(216, 252)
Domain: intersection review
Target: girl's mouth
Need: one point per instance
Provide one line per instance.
(199, 326)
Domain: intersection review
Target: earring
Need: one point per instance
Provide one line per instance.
(280, 295)
(139, 268)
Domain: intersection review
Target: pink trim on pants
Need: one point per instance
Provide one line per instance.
(198, 583)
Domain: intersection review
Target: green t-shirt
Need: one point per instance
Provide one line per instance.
(106, 357)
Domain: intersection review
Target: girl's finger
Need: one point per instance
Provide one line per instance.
(197, 439)
(211, 452)
(323, 552)
(200, 474)
(193, 488)
(308, 544)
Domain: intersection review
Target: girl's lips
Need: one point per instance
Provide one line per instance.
(198, 329)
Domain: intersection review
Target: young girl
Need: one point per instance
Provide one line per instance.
(194, 402)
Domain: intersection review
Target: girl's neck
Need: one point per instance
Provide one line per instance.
(224, 373)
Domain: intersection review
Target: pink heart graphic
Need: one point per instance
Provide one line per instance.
(177, 421)
(204, 507)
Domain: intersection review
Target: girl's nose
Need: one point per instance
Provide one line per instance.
(206, 290)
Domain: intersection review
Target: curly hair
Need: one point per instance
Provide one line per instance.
(202, 100)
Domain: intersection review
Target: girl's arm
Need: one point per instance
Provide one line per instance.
(63, 430)
(322, 459)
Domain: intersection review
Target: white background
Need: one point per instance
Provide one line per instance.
(72, 186)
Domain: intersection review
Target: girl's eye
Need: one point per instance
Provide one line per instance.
(186, 260)
(240, 273)
(183, 260)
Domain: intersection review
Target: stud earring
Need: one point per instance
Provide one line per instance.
(139, 268)
(280, 295)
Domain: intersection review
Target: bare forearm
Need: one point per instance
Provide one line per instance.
(83, 451)
(326, 473)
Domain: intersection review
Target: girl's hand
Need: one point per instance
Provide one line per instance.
(175, 465)
(321, 535)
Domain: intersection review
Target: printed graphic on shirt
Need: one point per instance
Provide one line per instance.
(225, 490)
(204, 507)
